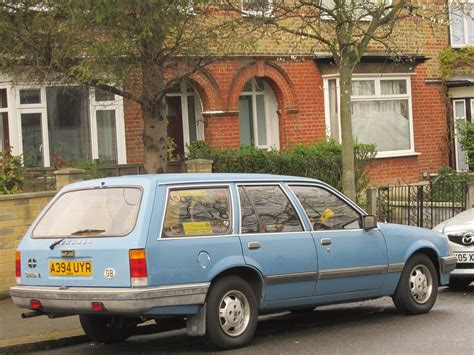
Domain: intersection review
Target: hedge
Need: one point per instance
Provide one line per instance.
(321, 160)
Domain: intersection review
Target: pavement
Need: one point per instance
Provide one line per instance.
(18, 334)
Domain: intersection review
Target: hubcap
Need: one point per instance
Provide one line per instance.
(421, 284)
(234, 313)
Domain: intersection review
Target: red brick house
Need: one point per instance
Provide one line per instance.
(268, 99)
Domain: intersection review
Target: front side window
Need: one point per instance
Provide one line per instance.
(325, 210)
(462, 23)
(106, 212)
(270, 208)
(257, 7)
(197, 212)
(381, 113)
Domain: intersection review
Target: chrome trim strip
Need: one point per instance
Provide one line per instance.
(352, 272)
(395, 267)
(330, 189)
(448, 263)
(116, 300)
(294, 277)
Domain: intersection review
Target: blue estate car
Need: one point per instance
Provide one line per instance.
(217, 249)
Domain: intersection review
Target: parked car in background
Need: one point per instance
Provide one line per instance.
(460, 231)
(217, 249)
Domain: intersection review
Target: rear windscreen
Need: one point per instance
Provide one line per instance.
(91, 213)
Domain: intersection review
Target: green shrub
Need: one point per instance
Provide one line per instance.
(11, 173)
(321, 160)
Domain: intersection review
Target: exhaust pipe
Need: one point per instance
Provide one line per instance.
(32, 314)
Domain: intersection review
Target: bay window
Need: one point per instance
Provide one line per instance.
(381, 113)
(63, 122)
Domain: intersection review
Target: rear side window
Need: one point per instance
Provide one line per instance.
(266, 209)
(326, 210)
(197, 212)
(106, 212)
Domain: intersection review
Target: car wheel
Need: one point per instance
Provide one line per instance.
(417, 289)
(232, 313)
(103, 329)
(458, 283)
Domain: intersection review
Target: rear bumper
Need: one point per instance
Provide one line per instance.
(448, 264)
(134, 301)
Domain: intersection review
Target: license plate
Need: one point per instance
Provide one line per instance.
(465, 257)
(70, 268)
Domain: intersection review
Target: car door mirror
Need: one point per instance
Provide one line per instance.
(369, 222)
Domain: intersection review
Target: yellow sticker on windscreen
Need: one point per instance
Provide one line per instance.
(197, 228)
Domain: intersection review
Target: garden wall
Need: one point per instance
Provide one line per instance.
(17, 212)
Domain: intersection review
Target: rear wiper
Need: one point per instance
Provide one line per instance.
(78, 232)
(87, 231)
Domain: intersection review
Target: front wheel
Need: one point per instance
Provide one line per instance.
(232, 313)
(417, 289)
(106, 329)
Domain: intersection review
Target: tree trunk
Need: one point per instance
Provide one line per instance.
(348, 175)
(154, 139)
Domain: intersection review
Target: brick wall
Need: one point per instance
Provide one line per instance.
(17, 212)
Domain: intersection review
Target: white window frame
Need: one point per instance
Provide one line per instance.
(184, 94)
(9, 111)
(326, 16)
(40, 108)
(15, 109)
(113, 105)
(465, 25)
(377, 97)
(272, 142)
(267, 13)
(456, 119)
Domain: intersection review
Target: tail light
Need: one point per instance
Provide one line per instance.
(138, 270)
(18, 266)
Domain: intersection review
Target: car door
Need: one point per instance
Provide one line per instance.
(275, 242)
(350, 259)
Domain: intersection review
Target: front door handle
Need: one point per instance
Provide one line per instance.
(253, 245)
(326, 241)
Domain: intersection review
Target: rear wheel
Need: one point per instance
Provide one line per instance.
(458, 283)
(232, 313)
(417, 289)
(106, 329)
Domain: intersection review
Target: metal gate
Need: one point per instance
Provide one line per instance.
(424, 205)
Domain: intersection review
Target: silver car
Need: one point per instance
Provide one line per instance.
(460, 231)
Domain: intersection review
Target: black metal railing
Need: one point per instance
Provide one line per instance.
(423, 205)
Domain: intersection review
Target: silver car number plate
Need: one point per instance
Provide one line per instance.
(465, 257)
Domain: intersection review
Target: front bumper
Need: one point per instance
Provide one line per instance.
(133, 301)
(448, 264)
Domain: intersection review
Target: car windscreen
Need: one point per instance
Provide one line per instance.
(105, 212)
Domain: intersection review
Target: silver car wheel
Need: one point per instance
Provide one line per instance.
(234, 313)
(421, 284)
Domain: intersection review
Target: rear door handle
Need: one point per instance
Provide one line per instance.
(326, 241)
(253, 245)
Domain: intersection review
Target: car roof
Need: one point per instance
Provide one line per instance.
(167, 179)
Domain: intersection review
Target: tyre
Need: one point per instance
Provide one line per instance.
(458, 283)
(417, 289)
(106, 329)
(232, 313)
